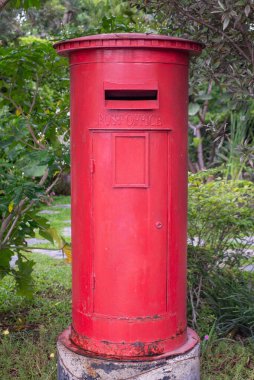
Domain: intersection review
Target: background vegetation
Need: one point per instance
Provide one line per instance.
(34, 158)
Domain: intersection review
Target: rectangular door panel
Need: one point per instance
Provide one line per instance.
(130, 195)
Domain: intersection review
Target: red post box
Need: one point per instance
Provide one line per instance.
(129, 99)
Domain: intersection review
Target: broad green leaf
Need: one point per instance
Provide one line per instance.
(68, 252)
(196, 141)
(47, 235)
(57, 238)
(10, 207)
(193, 109)
(205, 97)
(18, 111)
(5, 257)
(23, 276)
(34, 170)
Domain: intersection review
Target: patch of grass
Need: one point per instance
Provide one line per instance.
(61, 200)
(59, 220)
(29, 328)
(226, 359)
(28, 350)
(62, 216)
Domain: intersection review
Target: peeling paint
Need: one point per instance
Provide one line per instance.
(124, 351)
(72, 366)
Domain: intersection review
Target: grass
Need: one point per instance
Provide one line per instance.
(28, 350)
(59, 220)
(227, 359)
(62, 217)
(29, 328)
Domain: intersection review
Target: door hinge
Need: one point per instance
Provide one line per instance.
(93, 282)
(92, 166)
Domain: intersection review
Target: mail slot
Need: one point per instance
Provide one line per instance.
(129, 98)
(132, 96)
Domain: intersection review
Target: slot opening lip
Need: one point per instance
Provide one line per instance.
(131, 96)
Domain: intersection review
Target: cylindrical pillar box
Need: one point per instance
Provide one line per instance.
(129, 99)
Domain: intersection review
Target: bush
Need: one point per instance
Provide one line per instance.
(221, 217)
(34, 146)
(220, 236)
(232, 299)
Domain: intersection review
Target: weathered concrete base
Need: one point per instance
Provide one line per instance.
(72, 366)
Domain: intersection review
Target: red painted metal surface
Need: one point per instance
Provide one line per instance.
(192, 340)
(129, 99)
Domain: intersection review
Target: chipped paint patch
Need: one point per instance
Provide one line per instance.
(135, 351)
(72, 366)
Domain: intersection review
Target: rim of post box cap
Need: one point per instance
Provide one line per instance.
(128, 40)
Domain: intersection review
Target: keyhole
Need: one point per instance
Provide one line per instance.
(158, 225)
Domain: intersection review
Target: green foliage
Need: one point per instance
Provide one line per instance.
(221, 215)
(224, 63)
(29, 327)
(226, 29)
(226, 359)
(23, 276)
(103, 16)
(15, 244)
(232, 300)
(34, 117)
(25, 4)
(62, 19)
(220, 79)
(193, 108)
(106, 16)
(220, 233)
(34, 146)
(238, 151)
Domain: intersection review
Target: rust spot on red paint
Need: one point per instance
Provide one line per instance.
(152, 349)
(148, 317)
(119, 350)
(139, 346)
(145, 318)
(155, 349)
(91, 372)
(181, 330)
(105, 342)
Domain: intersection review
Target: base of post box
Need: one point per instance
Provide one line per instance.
(73, 366)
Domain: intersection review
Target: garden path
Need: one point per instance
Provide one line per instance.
(66, 233)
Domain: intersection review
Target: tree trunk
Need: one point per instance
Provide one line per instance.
(3, 4)
(200, 150)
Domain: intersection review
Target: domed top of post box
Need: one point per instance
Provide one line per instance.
(128, 40)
